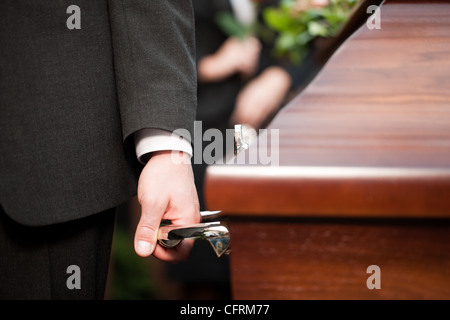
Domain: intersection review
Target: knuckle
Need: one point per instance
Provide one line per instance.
(148, 228)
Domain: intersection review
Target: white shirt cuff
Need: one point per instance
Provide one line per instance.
(152, 140)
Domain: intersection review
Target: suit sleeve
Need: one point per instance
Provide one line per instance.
(154, 62)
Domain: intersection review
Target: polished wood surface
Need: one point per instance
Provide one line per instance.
(369, 136)
(328, 259)
(363, 176)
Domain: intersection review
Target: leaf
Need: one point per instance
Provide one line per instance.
(230, 26)
(277, 19)
(286, 41)
(304, 38)
(287, 4)
(317, 29)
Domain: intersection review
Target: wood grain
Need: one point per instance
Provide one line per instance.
(363, 176)
(382, 101)
(328, 259)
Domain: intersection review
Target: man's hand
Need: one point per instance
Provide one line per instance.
(166, 190)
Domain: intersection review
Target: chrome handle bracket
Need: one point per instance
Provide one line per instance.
(170, 235)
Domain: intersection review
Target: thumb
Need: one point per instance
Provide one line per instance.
(147, 229)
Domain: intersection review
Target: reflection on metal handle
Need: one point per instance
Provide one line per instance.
(244, 136)
(218, 236)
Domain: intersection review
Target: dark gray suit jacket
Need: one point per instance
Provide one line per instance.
(70, 100)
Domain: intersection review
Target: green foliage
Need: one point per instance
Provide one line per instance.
(297, 28)
(291, 29)
(231, 27)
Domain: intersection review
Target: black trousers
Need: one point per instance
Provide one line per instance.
(63, 261)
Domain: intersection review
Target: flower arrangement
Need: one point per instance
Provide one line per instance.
(298, 22)
(292, 25)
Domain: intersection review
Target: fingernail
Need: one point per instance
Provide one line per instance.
(144, 248)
